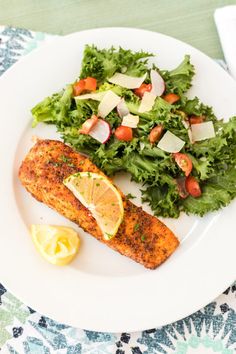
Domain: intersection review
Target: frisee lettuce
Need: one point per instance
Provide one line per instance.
(214, 160)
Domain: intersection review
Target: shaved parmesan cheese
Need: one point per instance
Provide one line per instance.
(108, 103)
(203, 131)
(130, 121)
(170, 143)
(127, 81)
(158, 84)
(147, 102)
(122, 109)
(190, 135)
(186, 124)
(98, 96)
(142, 146)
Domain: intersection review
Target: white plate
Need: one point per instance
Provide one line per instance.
(102, 290)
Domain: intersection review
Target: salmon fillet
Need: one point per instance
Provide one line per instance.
(42, 173)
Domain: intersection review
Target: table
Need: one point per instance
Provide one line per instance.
(190, 21)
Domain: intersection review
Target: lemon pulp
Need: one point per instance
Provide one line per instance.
(101, 197)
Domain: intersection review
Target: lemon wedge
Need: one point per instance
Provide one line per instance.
(101, 197)
(57, 244)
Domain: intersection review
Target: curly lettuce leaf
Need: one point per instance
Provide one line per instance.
(163, 198)
(196, 108)
(179, 79)
(54, 109)
(103, 63)
(218, 192)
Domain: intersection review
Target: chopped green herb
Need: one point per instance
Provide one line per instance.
(89, 174)
(136, 227)
(54, 163)
(109, 235)
(130, 196)
(65, 159)
(97, 184)
(143, 238)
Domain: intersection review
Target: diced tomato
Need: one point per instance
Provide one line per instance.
(171, 98)
(193, 187)
(181, 184)
(196, 119)
(124, 133)
(90, 84)
(78, 87)
(184, 162)
(142, 89)
(155, 134)
(88, 125)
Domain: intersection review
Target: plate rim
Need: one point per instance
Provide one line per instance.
(221, 289)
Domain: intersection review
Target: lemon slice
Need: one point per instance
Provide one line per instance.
(101, 197)
(57, 244)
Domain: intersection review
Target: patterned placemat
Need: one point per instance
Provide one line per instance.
(24, 331)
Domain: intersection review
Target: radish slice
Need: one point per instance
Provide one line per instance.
(170, 143)
(147, 102)
(203, 131)
(122, 109)
(130, 121)
(101, 131)
(88, 125)
(158, 84)
(108, 103)
(127, 81)
(98, 96)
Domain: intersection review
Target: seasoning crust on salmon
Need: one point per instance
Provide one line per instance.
(142, 237)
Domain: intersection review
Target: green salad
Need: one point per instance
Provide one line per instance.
(128, 115)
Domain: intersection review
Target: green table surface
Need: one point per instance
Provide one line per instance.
(188, 20)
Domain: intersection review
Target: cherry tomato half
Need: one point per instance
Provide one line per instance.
(142, 89)
(78, 87)
(124, 133)
(184, 162)
(193, 187)
(171, 98)
(90, 83)
(181, 184)
(196, 119)
(88, 125)
(155, 134)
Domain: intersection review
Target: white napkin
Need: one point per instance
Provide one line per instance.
(225, 19)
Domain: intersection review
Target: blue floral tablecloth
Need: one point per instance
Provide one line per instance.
(24, 331)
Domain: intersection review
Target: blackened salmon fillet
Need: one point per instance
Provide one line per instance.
(142, 237)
